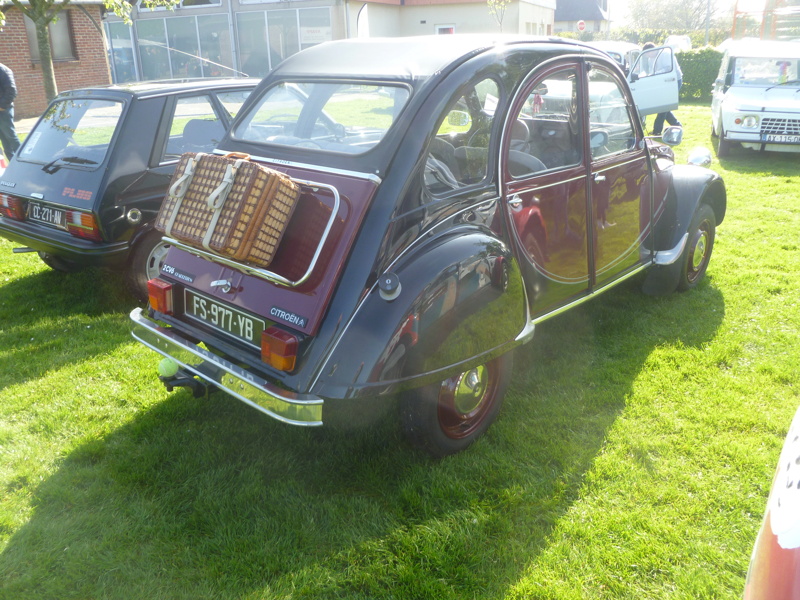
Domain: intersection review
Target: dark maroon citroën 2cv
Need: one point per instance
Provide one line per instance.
(455, 192)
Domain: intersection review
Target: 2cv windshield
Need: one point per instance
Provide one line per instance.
(335, 117)
(73, 132)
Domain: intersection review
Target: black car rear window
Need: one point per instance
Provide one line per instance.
(73, 132)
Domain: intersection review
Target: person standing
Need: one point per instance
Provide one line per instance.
(8, 93)
(662, 66)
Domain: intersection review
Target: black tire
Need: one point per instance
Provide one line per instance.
(145, 263)
(723, 146)
(59, 264)
(697, 254)
(445, 418)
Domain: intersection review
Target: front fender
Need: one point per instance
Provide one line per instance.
(689, 187)
(461, 303)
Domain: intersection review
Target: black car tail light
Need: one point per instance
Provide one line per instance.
(12, 207)
(83, 225)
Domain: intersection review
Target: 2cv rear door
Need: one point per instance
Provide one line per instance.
(575, 183)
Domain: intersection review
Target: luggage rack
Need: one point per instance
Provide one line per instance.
(266, 274)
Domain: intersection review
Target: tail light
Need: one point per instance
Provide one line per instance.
(159, 293)
(279, 348)
(83, 225)
(12, 207)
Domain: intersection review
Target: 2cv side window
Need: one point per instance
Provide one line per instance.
(547, 133)
(610, 128)
(458, 155)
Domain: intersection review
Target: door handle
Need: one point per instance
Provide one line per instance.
(515, 202)
(599, 178)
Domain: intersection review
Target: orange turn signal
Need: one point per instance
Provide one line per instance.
(279, 348)
(159, 293)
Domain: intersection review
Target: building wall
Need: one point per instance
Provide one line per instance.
(90, 66)
(535, 19)
(465, 18)
(373, 19)
(421, 17)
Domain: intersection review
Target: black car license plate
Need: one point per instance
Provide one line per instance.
(49, 215)
(224, 318)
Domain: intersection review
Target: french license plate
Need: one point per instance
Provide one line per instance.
(42, 213)
(771, 138)
(222, 317)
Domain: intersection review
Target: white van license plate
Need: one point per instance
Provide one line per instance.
(771, 138)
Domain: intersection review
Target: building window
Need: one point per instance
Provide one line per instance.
(286, 32)
(61, 46)
(445, 29)
(181, 4)
(120, 52)
(194, 46)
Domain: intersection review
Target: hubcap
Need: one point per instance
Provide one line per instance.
(699, 250)
(470, 390)
(156, 260)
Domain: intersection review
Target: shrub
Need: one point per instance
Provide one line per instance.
(700, 69)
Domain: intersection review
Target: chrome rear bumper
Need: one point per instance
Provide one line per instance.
(284, 405)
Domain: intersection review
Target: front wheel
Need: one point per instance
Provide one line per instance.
(723, 145)
(697, 254)
(146, 259)
(446, 417)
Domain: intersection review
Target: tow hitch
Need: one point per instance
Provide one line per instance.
(172, 376)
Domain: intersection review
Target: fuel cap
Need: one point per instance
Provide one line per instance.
(389, 286)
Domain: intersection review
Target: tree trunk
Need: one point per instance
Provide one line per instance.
(46, 57)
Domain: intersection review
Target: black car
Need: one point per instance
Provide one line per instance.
(455, 192)
(86, 184)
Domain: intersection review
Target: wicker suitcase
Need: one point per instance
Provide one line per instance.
(228, 205)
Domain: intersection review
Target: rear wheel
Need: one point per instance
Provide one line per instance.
(146, 260)
(446, 417)
(697, 254)
(59, 264)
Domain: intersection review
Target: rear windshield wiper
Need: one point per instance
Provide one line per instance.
(56, 164)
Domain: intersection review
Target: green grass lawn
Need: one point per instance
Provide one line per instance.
(632, 458)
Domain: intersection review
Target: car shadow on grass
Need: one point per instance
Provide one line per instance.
(52, 319)
(745, 161)
(206, 498)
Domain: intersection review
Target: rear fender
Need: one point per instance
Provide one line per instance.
(461, 303)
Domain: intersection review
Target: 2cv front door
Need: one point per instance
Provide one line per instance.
(575, 183)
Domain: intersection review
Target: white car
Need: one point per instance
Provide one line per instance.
(756, 97)
(651, 74)
(624, 53)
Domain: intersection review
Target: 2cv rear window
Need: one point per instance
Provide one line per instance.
(75, 132)
(334, 117)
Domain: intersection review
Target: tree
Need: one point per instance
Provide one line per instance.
(497, 8)
(43, 12)
(671, 14)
